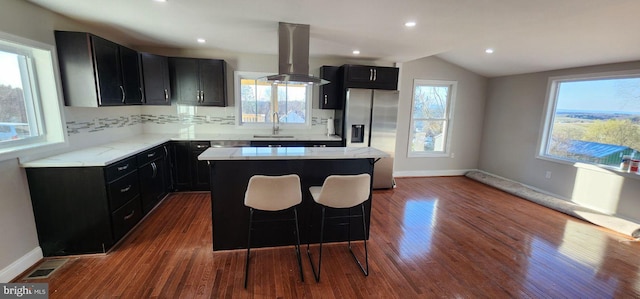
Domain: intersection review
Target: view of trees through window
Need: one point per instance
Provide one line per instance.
(13, 109)
(596, 121)
(430, 116)
(260, 99)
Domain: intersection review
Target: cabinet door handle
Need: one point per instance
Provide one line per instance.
(166, 95)
(319, 145)
(155, 169)
(198, 96)
(121, 168)
(123, 190)
(375, 74)
(325, 99)
(201, 146)
(370, 74)
(141, 95)
(166, 152)
(130, 215)
(151, 155)
(202, 96)
(275, 145)
(122, 91)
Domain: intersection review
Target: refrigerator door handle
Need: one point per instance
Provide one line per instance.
(370, 74)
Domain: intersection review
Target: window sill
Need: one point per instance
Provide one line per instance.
(428, 155)
(595, 167)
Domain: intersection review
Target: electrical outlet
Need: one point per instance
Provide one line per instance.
(547, 175)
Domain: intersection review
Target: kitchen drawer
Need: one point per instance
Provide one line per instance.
(125, 218)
(200, 145)
(120, 168)
(123, 190)
(150, 155)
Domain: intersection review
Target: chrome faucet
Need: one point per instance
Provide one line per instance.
(276, 119)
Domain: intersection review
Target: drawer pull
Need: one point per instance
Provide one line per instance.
(130, 215)
(151, 155)
(125, 189)
(121, 168)
(201, 146)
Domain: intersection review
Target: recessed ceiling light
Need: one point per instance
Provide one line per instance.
(410, 24)
(160, 0)
(356, 52)
(488, 51)
(202, 40)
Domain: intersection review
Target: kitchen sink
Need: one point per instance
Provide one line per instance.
(272, 136)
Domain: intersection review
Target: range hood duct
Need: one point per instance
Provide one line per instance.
(293, 55)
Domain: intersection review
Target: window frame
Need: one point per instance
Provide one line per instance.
(449, 120)
(550, 108)
(44, 97)
(238, 76)
(28, 76)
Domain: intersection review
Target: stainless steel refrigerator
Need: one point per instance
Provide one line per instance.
(370, 117)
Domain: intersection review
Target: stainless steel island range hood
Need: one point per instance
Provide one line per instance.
(293, 55)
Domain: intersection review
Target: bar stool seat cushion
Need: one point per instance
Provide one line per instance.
(342, 191)
(273, 193)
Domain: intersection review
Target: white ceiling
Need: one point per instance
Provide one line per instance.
(527, 35)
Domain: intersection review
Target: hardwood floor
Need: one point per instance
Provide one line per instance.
(430, 237)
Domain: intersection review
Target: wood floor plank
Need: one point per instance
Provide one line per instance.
(430, 237)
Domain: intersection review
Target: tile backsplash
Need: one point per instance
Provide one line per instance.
(167, 119)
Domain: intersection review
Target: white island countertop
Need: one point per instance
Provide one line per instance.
(290, 153)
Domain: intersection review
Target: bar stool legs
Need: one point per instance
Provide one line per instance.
(364, 269)
(297, 246)
(246, 263)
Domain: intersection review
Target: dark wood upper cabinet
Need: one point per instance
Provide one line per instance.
(155, 74)
(375, 77)
(198, 81)
(97, 72)
(331, 93)
(131, 79)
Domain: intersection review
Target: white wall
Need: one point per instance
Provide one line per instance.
(467, 119)
(512, 126)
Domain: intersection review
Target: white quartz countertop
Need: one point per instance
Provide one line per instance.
(290, 153)
(101, 155)
(105, 154)
(257, 137)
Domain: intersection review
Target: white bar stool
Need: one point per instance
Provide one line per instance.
(342, 192)
(273, 193)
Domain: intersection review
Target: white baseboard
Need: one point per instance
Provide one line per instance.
(22, 264)
(418, 173)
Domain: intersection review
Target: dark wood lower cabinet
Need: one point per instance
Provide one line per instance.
(189, 174)
(230, 216)
(80, 210)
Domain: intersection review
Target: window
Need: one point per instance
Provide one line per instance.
(431, 117)
(18, 97)
(28, 93)
(593, 119)
(259, 100)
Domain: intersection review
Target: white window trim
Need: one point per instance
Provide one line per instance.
(48, 102)
(237, 76)
(453, 85)
(550, 109)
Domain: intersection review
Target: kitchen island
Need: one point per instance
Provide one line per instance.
(231, 169)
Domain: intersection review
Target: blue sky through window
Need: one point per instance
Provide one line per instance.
(613, 95)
